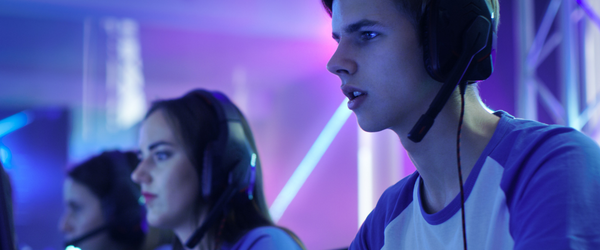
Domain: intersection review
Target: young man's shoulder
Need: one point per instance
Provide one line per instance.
(392, 202)
(550, 171)
(397, 197)
(522, 141)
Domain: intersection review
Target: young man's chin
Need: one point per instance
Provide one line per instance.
(370, 126)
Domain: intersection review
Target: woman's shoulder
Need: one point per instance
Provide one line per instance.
(267, 231)
(164, 247)
(267, 237)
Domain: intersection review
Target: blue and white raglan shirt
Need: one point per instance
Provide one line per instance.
(535, 186)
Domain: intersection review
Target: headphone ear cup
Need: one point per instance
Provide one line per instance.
(207, 166)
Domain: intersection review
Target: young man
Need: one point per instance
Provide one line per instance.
(527, 185)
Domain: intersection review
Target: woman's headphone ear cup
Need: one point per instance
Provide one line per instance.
(207, 165)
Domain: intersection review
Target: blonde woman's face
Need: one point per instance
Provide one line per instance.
(167, 177)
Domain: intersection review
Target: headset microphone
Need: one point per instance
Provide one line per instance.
(477, 37)
(90, 234)
(120, 208)
(474, 40)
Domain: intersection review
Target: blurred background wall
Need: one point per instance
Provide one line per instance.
(76, 78)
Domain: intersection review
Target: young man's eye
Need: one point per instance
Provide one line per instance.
(162, 155)
(368, 35)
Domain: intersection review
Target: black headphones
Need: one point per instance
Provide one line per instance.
(231, 152)
(458, 46)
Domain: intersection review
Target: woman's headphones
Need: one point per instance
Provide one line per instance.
(230, 152)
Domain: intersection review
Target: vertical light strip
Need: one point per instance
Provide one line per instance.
(365, 175)
(570, 64)
(126, 100)
(85, 88)
(525, 29)
(241, 93)
(309, 162)
(592, 62)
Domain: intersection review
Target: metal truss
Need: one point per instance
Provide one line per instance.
(578, 102)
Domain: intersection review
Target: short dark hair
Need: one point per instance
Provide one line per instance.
(414, 10)
(108, 177)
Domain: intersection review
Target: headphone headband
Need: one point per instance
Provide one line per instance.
(231, 147)
(231, 151)
(458, 45)
(443, 25)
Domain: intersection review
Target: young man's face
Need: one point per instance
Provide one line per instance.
(380, 59)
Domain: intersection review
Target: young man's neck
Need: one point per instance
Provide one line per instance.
(435, 156)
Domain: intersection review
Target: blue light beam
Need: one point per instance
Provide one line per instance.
(590, 12)
(309, 162)
(14, 122)
(5, 156)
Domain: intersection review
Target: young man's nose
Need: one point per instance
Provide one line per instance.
(341, 63)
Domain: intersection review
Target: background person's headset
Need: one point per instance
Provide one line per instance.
(230, 152)
(120, 221)
(458, 47)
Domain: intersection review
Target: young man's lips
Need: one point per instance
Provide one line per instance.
(352, 92)
(355, 96)
(356, 102)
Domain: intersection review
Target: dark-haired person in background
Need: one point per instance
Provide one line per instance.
(102, 209)
(190, 161)
(527, 185)
(7, 230)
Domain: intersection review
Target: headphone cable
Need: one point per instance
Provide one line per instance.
(86, 236)
(462, 87)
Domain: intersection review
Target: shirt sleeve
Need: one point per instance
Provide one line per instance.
(391, 203)
(554, 200)
(360, 242)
